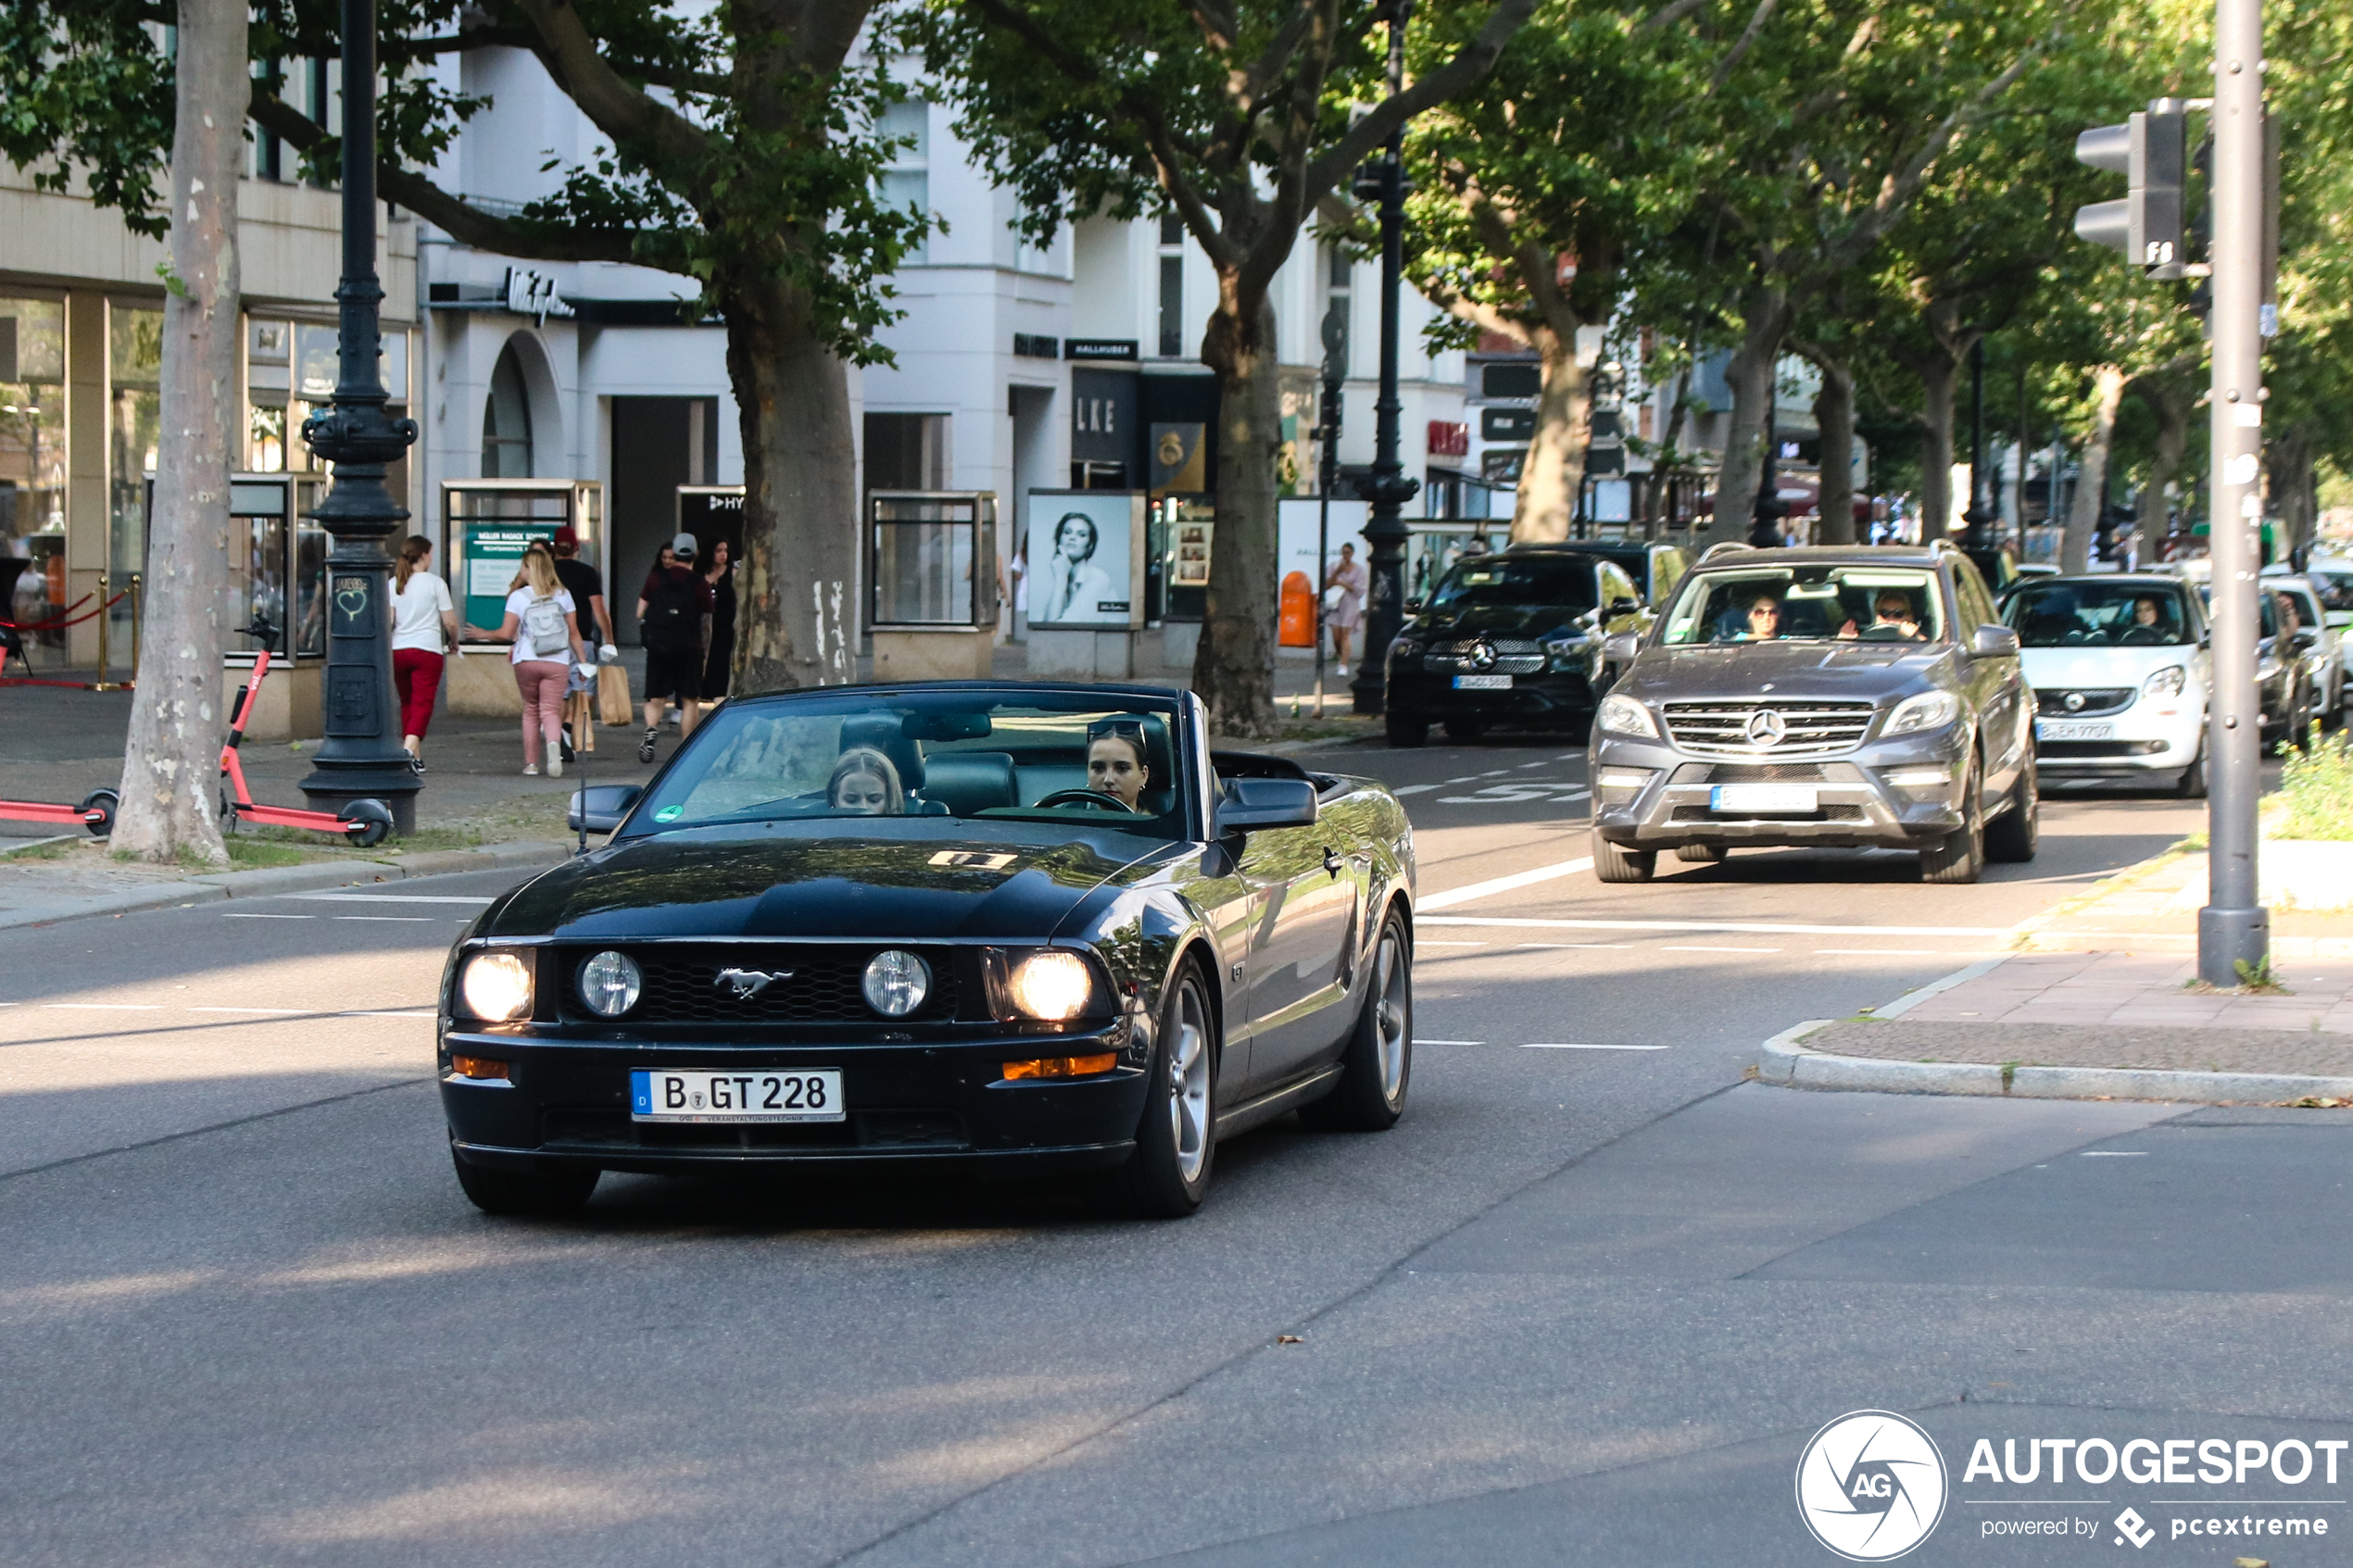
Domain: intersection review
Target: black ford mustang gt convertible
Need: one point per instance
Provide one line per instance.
(969, 926)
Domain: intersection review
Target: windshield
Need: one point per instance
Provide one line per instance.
(2073, 613)
(968, 753)
(2267, 607)
(1873, 604)
(2336, 589)
(1555, 582)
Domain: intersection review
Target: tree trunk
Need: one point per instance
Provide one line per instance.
(798, 584)
(1834, 412)
(2091, 479)
(2151, 515)
(1938, 372)
(1554, 470)
(1767, 314)
(170, 762)
(1234, 665)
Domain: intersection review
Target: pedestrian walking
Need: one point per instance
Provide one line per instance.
(718, 663)
(543, 625)
(587, 586)
(675, 611)
(1348, 613)
(424, 624)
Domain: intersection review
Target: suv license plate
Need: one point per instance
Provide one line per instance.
(660, 1095)
(1482, 682)
(2072, 729)
(1761, 797)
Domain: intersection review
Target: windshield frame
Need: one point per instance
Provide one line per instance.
(1438, 603)
(688, 768)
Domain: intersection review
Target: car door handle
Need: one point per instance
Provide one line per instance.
(1332, 862)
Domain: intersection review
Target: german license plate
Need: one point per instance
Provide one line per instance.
(1482, 682)
(661, 1095)
(2072, 729)
(1761, 797)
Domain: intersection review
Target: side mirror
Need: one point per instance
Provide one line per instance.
(599, 807)
(2305, 637)
(1623, 607)
(1992, 642)
(1619, 648)
(1412, 607)
(1259, 804)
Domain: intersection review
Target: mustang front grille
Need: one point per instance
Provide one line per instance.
(1768, 729)
(808, 984)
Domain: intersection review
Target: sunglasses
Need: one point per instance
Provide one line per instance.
(1129, 730)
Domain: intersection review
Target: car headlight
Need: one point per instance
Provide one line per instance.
(1922, 710)
(1560, 653)
(2167, 682)
(1051, 985)
(896, 982)
(609, 983)
(2266, 669)
(496, 986)
(1621, 715)
(1404, 647)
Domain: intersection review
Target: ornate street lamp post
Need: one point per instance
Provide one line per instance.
(1387, 488)
(1981, 514)
(362, 757)
(1764, 517)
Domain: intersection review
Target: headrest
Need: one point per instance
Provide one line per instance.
(970, 781)
(885, 733)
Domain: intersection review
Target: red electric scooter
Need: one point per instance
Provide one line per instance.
(96, 813)
(365, 822)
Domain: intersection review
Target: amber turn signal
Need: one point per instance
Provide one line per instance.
(1062, 1066)
(477, 1067)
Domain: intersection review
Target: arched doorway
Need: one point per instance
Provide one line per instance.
(506, 420)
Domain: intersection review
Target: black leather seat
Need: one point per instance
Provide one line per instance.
(968, 782)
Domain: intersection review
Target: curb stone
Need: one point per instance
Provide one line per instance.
(1782, 1061)
(272, 880)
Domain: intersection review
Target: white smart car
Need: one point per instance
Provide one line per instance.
(2120, 674)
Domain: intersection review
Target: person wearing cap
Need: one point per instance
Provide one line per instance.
(674, 609)
(587, 586)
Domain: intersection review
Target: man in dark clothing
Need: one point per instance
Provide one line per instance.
(587, 586)
(674, 620)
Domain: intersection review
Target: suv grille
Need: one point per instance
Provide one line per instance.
(1808, 729)
(1513, 657)
(681, 983)
(2097, 700)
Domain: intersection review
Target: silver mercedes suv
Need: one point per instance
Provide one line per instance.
(1833, 695)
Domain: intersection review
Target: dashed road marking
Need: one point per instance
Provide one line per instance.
(1555, 1046)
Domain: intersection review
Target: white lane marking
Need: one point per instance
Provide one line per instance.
(1447, 900)
(295, 1012)
(1551, 1046)
(1501, 922)
(1884, 952)
(239, 914)
(1419, 1041)
(1417, 789)
(1911, 999)
(105, 1007)
(386, 897)
(2114, 1154)
(1674, 948)
(1518, 792)
(1435, 943)
(1539, 763)
(419, 920)
(1615, 945)
(384, 1013)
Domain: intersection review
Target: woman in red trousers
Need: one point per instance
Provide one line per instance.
(422, 617)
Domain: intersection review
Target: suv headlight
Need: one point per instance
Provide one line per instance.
(1924, 710)
(1404, 648)
(496, 986)
(1560, 653)
(1621, 715)
(2167, 682)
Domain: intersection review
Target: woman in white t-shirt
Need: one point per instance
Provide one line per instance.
(422, 617)
(543, 624)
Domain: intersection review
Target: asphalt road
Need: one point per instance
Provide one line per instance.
(1586, 1304)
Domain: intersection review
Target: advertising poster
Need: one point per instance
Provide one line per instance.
(1085, 559)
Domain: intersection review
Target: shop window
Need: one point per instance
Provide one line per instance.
(33, 468)
(505, 422)
(134, 368)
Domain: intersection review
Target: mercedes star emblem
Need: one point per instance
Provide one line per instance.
(2074, 701)
(1766, 728)
(1482, 655)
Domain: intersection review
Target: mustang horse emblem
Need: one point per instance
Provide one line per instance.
(749, 982)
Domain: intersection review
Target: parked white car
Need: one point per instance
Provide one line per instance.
(2120, 674)
(2331, 648)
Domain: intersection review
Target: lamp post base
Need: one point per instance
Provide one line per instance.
(2227, 938)
(398, 798)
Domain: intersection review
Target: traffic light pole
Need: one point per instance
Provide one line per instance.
(2234, 929)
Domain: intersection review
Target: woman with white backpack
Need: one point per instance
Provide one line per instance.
(543, 624)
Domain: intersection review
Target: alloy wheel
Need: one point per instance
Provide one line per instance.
(1189, 1085)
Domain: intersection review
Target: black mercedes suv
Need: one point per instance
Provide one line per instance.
(1836, 696)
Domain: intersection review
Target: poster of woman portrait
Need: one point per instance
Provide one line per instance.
(1086, 554)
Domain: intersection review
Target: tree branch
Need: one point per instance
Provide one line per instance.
(1469, 63)
(623, 112)
(1668, 15)
(1741, 46)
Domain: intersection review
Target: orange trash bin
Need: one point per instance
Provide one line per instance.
(1298, 627)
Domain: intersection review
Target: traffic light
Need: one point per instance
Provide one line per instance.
(2149, 150)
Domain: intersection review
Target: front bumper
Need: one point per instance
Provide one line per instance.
(1856, 803)
(2148, 736)
(929, 1104)
(1547, 698)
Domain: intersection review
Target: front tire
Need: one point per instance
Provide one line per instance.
(1376, 1065)
(555, 1189)
(1168, 1175)
(2013, 837)
(1958, 858)
(2192, 785)
(1614, 862)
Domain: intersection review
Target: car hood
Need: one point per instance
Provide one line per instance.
(1831, 671)
(922, 878)
(1531, 622)
(2097, 668)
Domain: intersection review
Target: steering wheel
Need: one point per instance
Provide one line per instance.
(2141, 636)
(1094, 798)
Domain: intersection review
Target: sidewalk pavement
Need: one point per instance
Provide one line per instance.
(2104, 989)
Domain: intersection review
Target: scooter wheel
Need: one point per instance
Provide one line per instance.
(103, 802)
(366, 823)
